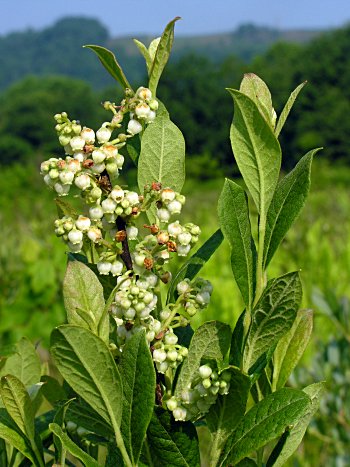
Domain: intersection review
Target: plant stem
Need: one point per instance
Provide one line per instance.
(148, 453)
(260, 266)
(122, 448)
(125, 256)
(259, 457)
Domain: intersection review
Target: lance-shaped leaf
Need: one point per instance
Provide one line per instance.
(236, 348)
(287, 108)
(296, 433)
(272, 317)
(82, 415)
(264, 422)
(256, 150)
(83, 294)
(211, 340)
(172, 443)
(235, 224)
(194, 264)
(145, 53)
(108, 60)
(71, 447)
(162, 156)
(139, 382)
(255, 88)
(24, 364)
(18, 404)
(161, 55)
(226, 413)
(12, 435)
(87, 365)
(291, 347)
(286, 204)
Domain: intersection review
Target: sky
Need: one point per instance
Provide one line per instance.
(129, 17)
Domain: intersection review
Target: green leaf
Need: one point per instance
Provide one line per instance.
(11, 434)
(83, 291)
(291, 347)
(139, 383)
(264, 422)
(171, 443)
(225, 414)
(84, 416)
(161, 55)
(287, 108)
(286, 204)
(255, 88)
(211, 340)
(236, 349)
(65, 209)
(235, 223)
(256, 150)
(18, 404)
(108, 60)
(194, 264)
(133, 146)
(24, 364)
(70, 446)
(145, 53)
(162, 156)
(85, 362)
(52, 390)
(246, 462)
(315, 392)
(272, 317)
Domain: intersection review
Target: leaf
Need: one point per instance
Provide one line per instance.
(272, 317)
(246, 462)
(211, 340)
(133, 146)
(286, 204)
(84, 416)
(194, 264)
(139, 383)
(70, 446)
(291, 347)
(145, 53)
(315, 392)
(255, 88)
(171, 443)
(236, 349)
(52, 390)
(162, 156)
(85, 362)
(108, 60)
(256, 150)
(264, 422)
(162, 55)
(24, 364)
(11, 434)
(65, 209)
(235, 224)
(82, 290)
(225, 414)
(18, 404)
(287, 108)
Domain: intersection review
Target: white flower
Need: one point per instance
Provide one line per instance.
(48, 180)
(98, 156)
(132, 232)
(203, 298)
(180, 414)
(174, 207)
(73, 165)
(104, 268)
(167, 194)
(75, 236)
(79, 156)
(96, 213)
(171, 404)
(83, 223)
(82, 181)
(94, 234)
(151, 116)
(103, 134)
(66, 177)
(172, 355)
(77, 143)
(117, 268)
(130, 313)
(88, 135)
(174, 229)
(61, 190)
(120, 161)
(117, 193)
(132, 197)
(184, 238)
(159, 355)
(163, 214)
(108, 205)
(144, 93)
(134, 127)
(98, 168)
(205, 371)
(142, 110)
(170, 338)
(183, 250)
(75, 247)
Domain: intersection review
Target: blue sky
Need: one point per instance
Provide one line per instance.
(128, 17)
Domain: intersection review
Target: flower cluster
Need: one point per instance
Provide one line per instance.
(168, 353)
(201, 394)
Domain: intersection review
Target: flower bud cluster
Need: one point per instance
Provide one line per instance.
(201, 394)
(142, 109)
(194, 296)
(134, 302)
(118, 203)
(168, 353)
(168, 202)
(74, 231)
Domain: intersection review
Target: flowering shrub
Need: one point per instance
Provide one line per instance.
(137, 379)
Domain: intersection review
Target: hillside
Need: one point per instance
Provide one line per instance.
(57, 49)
